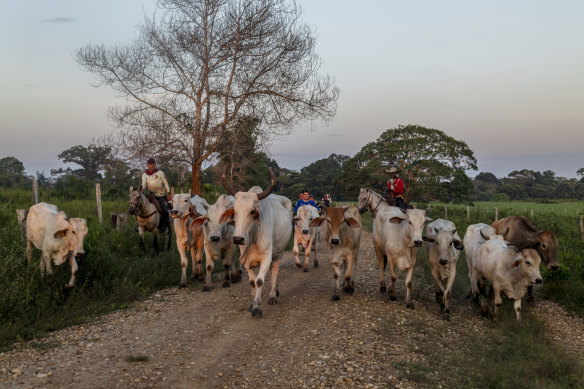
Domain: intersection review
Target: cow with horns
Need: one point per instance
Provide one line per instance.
(263, 224)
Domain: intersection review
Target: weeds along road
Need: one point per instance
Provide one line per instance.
(192, 339)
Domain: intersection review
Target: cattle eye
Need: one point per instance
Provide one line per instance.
(73, 232)
(543, 246)
(410, 222)
(252, 212)
(528, 263)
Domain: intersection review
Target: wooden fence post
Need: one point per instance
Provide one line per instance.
(172, 191)
(468, 213)
(531, 214)
(98, 196)
(190, 195)
(35, 192)
(496, 213)
(446, 211)
(581, 228)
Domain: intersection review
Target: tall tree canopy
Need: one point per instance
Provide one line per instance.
(92, 160)
(199, 66)
(426, 157)
(12, 172)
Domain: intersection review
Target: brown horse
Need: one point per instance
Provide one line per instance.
(148, 217)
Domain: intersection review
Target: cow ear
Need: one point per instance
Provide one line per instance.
(396, 220)
(428, 219)
(227, 216)
(61, 233)
(428, 239)
(458, 245)
(352, 222)
(196, 223)
(317, 221)
(295, 219)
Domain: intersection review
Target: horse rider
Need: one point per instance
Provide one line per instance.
(395, 188)
(155, 182)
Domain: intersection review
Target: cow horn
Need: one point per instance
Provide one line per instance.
(226, 184)
(266, 192)
(485, 237)
(506, 232)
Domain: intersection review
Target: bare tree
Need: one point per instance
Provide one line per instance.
(198, 66)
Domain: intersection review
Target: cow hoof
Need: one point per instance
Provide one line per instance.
(306, 270)
(250, 308)
(226, 284)
(336, 297)
(205, 288)
(349, 289)
(446, 317)
(315, 264)
(182, 285)
(272, 301)
(256, 312)
(410, 306)
(298, 265)
(383, 289)
(392, 298)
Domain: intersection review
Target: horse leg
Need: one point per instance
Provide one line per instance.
(155, 240)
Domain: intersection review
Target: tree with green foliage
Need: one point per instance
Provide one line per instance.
(426, 157)
(199, 66)
(92, 160)
(12, 172)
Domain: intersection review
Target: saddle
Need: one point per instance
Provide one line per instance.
(154, 201)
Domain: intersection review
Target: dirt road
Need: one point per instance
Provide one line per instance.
(192, 339)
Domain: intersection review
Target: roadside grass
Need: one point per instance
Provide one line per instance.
(137, 358)
(502, 354)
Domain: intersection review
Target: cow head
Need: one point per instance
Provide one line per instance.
(212, 228)
(546, 244)
(245, 211)
(526, 265)
(181, 206)
(414, 219)
(73, 231)
(445, 240)
(335, 218)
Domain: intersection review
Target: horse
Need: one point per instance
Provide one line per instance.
(148, 217)
(368, 198)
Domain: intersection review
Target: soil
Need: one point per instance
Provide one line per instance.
(186, 338)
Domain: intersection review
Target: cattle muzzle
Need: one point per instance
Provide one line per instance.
(238, 239)
(443, 261)
(215, 238)
(361, 211)
(538, 280)
(335, 240)
(418, 243)
(552, 266)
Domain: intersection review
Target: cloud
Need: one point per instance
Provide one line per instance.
(58, 20)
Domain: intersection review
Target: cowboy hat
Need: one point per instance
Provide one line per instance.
(391, 170)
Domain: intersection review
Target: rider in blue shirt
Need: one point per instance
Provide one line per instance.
(305, 201)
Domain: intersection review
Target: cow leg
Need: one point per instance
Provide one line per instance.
(392, 279)
(46, 263)
(315, 242)
(184, 263)
(198, 269)
(439, 287)
(295, 250)
(274, 292)
(448, 291)
(259, 282)
(409, 303)
(498, 301)
(517, 307)
(338, 279)
(382, 263)
(74, 268)
(530, 300)
(307, 253)
(29, 251)
(349, 282)
(210, 267)
(228, 257)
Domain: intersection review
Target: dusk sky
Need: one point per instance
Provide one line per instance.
(505, 77)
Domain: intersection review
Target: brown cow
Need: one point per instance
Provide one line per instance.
(522, 234)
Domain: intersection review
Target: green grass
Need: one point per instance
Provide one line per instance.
(137, 358)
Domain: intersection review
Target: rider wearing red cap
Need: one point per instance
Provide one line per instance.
(155, 182)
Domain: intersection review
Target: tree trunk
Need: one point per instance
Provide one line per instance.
(196, 179)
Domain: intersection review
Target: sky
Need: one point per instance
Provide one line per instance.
(505, 77)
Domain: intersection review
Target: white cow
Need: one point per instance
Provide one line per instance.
(443, 248)
(183, 206)
(263, 224)
(21, 216)
(343, 236)
(305, 235)
(473, 240)
(396, 237)
(507, 271)
(60, 239)
(218, 241)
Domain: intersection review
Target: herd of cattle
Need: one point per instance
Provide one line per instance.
(506, 254)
